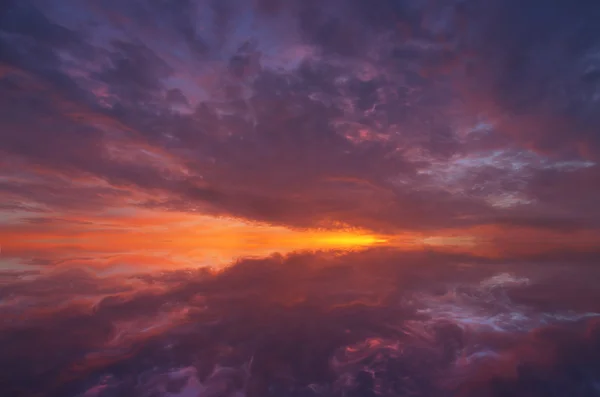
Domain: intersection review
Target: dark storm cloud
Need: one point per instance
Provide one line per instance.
(31, 42)
(175, 96)
(135, 72)
(368, 114)
(539, 61)
(23, 18)
(300, 321)
(346, 28)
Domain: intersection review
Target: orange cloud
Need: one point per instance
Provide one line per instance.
(134, 238)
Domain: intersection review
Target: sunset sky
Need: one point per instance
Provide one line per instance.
(140, 133)
(299, 198)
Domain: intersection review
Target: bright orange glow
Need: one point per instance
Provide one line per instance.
(341, 240)
(153, 239)
(133, 240)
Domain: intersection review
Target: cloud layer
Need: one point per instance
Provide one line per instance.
(394, 116)
(377, 322)
(141, 140)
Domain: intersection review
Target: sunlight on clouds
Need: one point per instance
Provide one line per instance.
(134, 239)
(441, 241)
(350, 240)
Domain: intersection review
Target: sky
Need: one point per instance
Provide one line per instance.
(291, 153)
(446, 124)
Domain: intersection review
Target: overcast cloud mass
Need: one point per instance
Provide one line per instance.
(301, 198)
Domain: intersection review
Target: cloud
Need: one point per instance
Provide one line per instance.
(386, 102)
(135, 72)
(303, 320)
(141, 135)
(540, 72)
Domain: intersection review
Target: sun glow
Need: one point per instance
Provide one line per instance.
(134, 238)
(350, 240)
